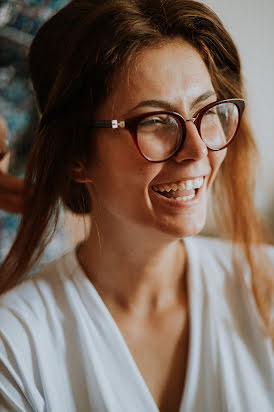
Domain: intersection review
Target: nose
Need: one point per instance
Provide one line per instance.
(193, 147)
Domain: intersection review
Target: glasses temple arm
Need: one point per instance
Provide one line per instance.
(108, 124)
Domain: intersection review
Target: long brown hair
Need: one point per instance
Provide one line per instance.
(73, 61)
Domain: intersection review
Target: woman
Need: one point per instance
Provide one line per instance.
(141, 102)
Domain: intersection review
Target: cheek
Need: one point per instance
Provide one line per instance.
(119, 171)
(216, 159)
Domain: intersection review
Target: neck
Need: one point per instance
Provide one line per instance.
(139, 272)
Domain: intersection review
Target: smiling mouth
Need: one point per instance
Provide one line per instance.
(184, 190)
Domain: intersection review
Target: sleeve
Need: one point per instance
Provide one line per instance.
(19, 390)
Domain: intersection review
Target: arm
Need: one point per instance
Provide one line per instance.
(11, 193)
(11, 187)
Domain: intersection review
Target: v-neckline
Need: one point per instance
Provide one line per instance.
(88, 287)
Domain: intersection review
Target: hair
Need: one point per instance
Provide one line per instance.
(73, 61)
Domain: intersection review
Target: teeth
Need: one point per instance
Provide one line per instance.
(167, 188)
(185, 185)
(198, 182)
(185, 197)
(161, 188)
(181, 186)
(189, 184)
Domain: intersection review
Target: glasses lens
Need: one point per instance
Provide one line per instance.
(159, 136)
(219, 125)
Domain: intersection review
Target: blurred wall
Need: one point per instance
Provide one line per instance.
(251, 24)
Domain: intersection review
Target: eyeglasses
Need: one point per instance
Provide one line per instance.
(160, 135)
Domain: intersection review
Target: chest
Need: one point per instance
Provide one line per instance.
(160, 351)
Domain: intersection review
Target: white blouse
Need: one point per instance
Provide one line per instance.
(61, 350)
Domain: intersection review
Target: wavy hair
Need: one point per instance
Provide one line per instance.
(73, 61)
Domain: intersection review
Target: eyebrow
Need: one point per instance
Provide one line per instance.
(202, 98)
(170, 107)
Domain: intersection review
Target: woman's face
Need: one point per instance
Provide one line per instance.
(126, 185)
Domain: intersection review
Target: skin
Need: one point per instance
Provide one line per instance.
(4, 160)
(134, 255)
(11, 187)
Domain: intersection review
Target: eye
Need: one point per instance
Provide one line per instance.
(154, 120)
(211, 112)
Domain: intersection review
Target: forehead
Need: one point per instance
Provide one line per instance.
(173, 71)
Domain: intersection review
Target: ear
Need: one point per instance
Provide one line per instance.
(79, 173)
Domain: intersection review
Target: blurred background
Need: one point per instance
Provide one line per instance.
(251, 25)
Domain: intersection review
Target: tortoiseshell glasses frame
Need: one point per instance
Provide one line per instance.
(132, 125)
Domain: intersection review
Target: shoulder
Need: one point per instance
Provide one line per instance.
(219, 270)
(230, 327)
(31, 301)
(32, 316)
(211, 267)
(212, 258)
(32, 333)
(221, 256)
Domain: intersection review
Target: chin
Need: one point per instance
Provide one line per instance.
(183, 227)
